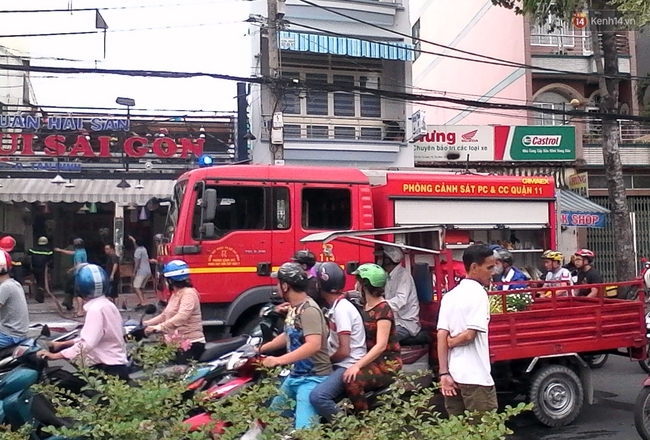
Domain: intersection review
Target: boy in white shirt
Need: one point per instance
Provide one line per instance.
(463, 352)
(346, 342)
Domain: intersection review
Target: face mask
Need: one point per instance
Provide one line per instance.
(498, 270)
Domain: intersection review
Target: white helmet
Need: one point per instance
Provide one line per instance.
(394, 253)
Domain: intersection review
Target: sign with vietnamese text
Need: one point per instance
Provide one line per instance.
(467, 185)
(535, 143)
(579, 183)
(444, 143)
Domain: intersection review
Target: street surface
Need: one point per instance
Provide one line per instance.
(617, 385)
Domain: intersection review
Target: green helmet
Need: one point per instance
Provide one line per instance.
(373, 273)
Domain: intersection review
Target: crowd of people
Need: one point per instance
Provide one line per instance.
(337, 342)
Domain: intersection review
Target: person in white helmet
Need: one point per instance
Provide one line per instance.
(400, 293)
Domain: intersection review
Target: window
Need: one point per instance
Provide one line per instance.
(370, 133)
(291, 131)
(282, 217)
(548, 118)
(290, 103)
(326, 208)
(370, 104)
(344, 102)
(344, 133)
(317, 102)
(317, 131)
(417, 44)
(239, 208)
(172, 214)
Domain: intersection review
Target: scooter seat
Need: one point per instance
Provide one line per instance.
(216, 349)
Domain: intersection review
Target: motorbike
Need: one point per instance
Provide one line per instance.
(642, 411)
(19, 405)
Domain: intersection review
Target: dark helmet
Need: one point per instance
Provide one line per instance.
(505, 256)
(78, 243)
(304, 256)
(90, 281)
(291, 273)
(331, 277)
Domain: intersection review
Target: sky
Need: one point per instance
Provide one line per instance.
(187, 35)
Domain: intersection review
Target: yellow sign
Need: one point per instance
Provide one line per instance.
(578, 181)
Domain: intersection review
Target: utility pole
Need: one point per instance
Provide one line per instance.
(275, 11)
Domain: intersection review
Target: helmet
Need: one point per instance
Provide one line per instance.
(393, 253)
(90, 281)
(331, 277)
(5, 262)
(552, 255)
(585, 253)
(7, 243)
(505, 256)
(176, 270)
(78, 243)
(291, 273)
(304, 256)
(374, 274)
(495, 247)
(42, 241)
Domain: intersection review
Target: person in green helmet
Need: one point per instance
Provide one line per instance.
(382, 361)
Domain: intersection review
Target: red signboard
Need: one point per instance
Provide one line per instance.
(56, 145)
(470, 185)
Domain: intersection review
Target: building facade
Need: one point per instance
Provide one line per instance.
(324, 56)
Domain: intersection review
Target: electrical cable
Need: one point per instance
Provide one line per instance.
(496, 61)
(113, 8)
(319, 86)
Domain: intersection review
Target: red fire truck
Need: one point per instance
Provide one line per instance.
(235, 224)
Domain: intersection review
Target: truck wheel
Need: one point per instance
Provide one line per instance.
(596, 361)
(557, 395)
(642, 413)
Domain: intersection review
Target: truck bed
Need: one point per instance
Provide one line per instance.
(559, 325)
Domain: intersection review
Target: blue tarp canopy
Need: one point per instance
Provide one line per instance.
(578, 211)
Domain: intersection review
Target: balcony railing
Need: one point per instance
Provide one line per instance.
(629, 132)
(341, 129)
(570, 41)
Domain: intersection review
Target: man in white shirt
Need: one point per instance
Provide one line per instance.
(346, 341)
(463, 352)
(400, 293)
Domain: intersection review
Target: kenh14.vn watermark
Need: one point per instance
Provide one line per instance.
(597, 20)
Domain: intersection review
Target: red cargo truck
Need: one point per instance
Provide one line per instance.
(235, 224)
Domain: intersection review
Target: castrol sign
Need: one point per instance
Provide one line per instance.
(535, 143)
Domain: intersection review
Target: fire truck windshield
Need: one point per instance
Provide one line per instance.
(174, 208)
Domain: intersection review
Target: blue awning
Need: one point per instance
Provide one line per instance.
(578, 211)
(353, 47)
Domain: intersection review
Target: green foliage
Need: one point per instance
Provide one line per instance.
(405, 413)
(154, 410)
(21, 434)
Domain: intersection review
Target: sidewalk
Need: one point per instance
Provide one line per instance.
(47, 312)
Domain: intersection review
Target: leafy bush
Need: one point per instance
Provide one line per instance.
(156, 407)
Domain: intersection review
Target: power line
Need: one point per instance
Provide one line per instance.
(492, 60)
(322, 87)
(112, 8)
(100, 31)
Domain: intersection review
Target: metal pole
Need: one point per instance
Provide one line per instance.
(274, 70)
(242, 123)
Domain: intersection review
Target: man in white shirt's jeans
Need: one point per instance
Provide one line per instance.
(400, 293)
(463, 352)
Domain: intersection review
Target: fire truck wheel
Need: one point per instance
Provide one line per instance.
(557, 395)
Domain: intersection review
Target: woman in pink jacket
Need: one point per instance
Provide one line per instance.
(181, 319)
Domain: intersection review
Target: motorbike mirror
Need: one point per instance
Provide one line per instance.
(45, 331)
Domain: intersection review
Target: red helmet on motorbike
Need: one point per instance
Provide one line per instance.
(586, 254)
(7, 243)
(5, 262)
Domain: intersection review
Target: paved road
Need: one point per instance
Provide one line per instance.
(616, 387)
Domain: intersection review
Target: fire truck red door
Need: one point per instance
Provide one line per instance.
(281, 204)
